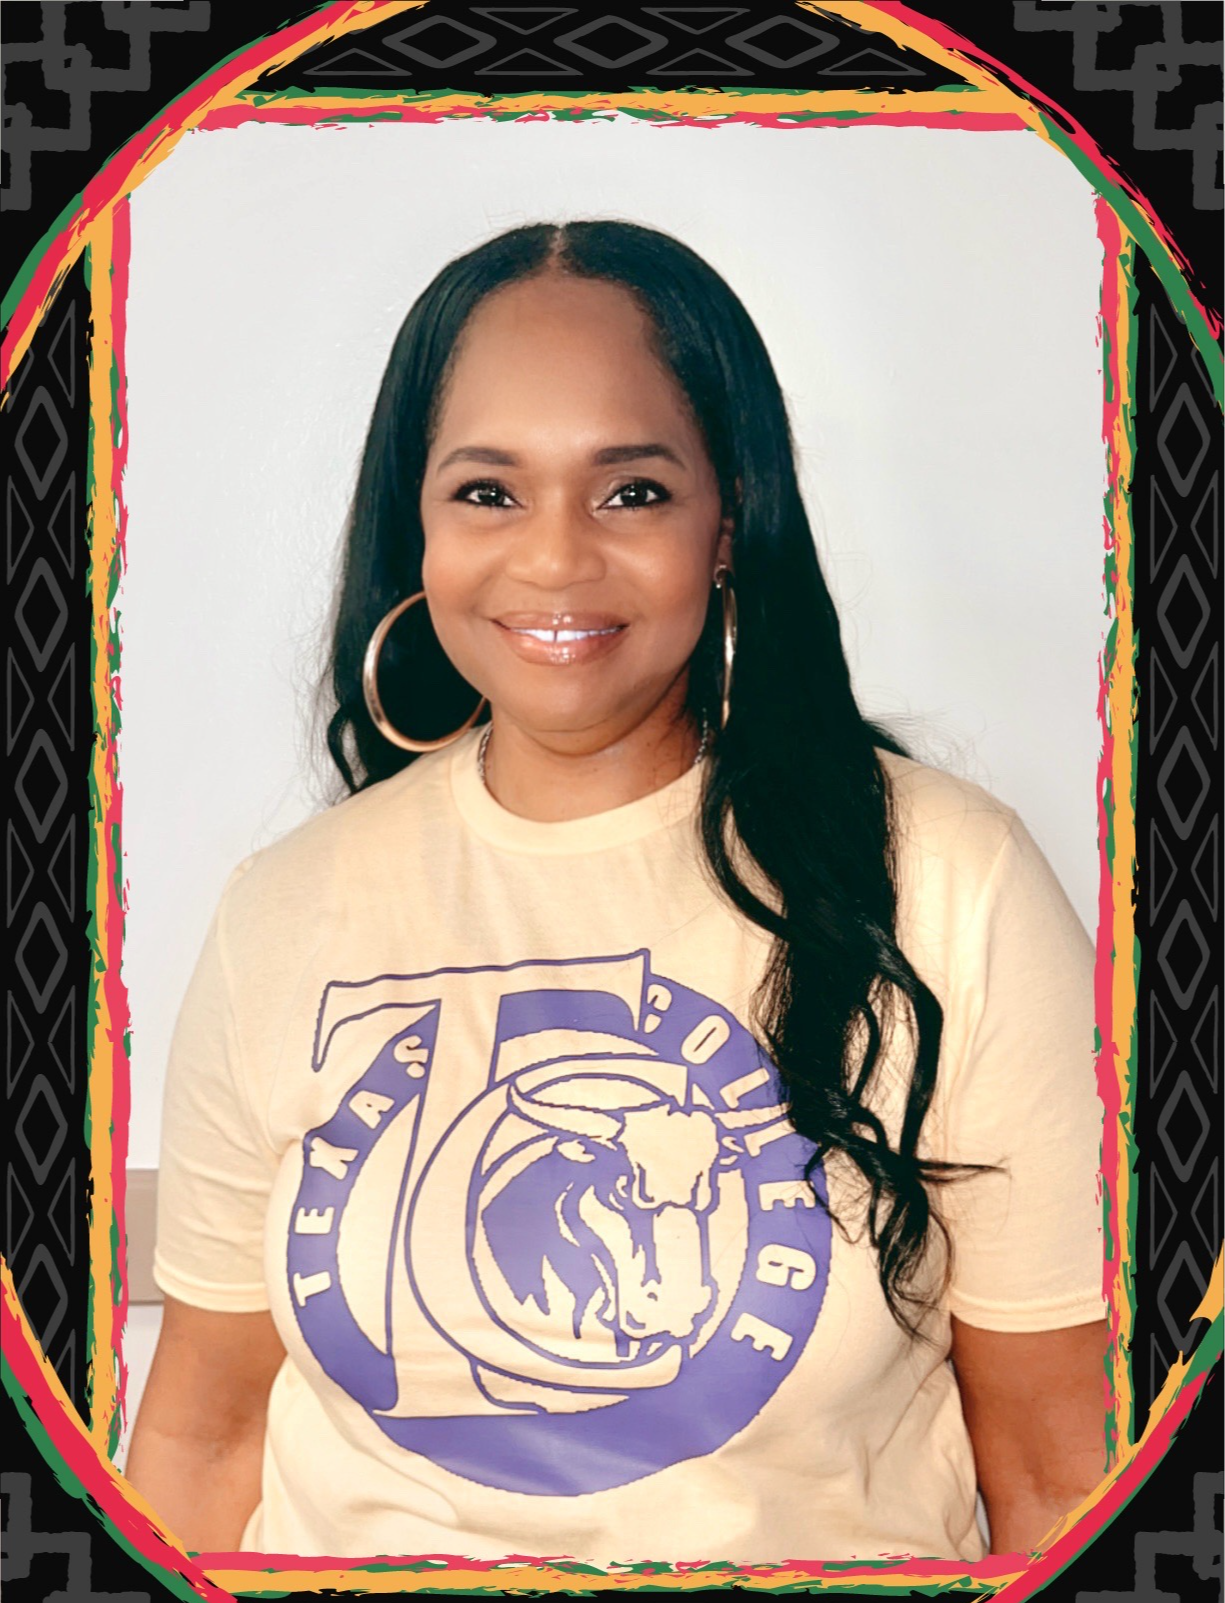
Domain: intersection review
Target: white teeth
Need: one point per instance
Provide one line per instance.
(561, 636)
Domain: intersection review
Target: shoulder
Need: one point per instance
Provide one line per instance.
(969, 872)
(955, 855)
(348, 845)
(940, 818)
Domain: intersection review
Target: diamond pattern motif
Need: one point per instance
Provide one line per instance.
(1183, 611)
(1183, 1126)
(1177, 479)
(44, 431)
(456, 41)
(41, 786)
(785, 42)
(40, 1130)
(523, 47)
(1183, 784)
(1183, 440)
(41, 443)
(41, 613)
(610, 41)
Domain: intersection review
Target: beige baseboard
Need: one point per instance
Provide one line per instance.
(141, 1221)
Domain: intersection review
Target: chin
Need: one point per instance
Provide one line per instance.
(554, 703)
(561, 721)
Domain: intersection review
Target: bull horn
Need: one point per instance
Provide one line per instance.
(566, 1121)
(748, 1118)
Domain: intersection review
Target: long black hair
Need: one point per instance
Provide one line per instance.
(794, 779)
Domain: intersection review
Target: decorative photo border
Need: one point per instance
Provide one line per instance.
(63, 360)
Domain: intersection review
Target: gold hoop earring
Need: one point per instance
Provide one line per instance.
(370, 689)
(723, 582)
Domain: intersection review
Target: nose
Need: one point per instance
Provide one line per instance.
(556, 545)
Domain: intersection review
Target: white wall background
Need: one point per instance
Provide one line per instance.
(929, 298)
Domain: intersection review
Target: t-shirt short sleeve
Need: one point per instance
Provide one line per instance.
(216, 1168)
(1027, 1238)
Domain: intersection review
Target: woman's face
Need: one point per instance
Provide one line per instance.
(572, 516)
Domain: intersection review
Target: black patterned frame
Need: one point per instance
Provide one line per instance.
(1177, 499)
(57, 93)
(44, 433)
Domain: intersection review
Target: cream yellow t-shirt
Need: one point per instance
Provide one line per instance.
(469, 1102)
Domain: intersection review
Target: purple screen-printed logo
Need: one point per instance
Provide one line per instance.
(608, 1249)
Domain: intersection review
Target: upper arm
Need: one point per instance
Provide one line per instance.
(1029, 1334)
(1035, 1406)
(197, 1444)
(211, 1374)
(1020, 1095)
(217, 1166)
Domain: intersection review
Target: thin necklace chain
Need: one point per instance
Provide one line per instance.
(703, 746)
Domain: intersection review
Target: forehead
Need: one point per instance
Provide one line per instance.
(556, 306)
(557, 347)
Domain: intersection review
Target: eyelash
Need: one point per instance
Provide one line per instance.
(660, 494)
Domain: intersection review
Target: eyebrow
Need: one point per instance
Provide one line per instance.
(608, 456)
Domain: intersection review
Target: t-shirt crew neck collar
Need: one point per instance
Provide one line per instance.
(672, 804)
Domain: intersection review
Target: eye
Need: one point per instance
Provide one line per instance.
(484, 493)
(637, 493)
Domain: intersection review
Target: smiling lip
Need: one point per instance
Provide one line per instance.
(560, 640)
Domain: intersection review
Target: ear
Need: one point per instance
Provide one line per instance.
(723, 550)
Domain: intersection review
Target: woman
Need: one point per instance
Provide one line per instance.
(595, 1135)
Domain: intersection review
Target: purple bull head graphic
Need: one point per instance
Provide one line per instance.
(600, 1247)
(618, 1200)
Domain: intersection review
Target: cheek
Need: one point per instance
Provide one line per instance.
(450, 586)
(451, 571)
(437, 576)
(681, 579)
